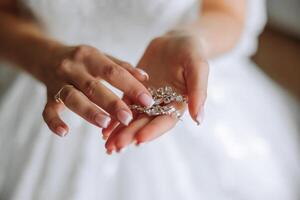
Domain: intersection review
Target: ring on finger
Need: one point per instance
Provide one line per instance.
(57, 96)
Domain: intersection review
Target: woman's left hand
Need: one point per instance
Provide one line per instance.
(176, 59)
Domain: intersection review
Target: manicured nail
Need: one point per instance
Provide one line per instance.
(146, 100)
(142, 73)
(200, 116)
(108, 152)
(124, 117)
(137, 143)
(134, 142)
(61, 131)
(102, 120)
(122, 150)
(104, 137)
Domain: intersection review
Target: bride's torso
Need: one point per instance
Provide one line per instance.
(122, 28)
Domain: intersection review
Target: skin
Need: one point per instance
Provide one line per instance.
(55, 65)
(177, 58)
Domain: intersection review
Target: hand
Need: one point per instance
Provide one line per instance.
(177, 60)
(83, 67)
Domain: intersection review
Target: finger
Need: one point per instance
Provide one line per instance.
(114, 124)
(138, 73)
(81, 105)
(123, 136)
(52, 119)
(196, 75)
(107, 131)
(155, 128)
(159, 125)
(110, 147)
(123, 80)
(100, 95)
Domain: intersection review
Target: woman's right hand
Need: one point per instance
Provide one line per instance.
(83, 67)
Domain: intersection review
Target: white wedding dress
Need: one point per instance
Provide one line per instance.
(246, 149)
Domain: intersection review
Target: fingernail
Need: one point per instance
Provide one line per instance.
(137, 143)
(61, 131)
(108, 152)
(146, 100)
(143, 73)
(124, 117)
(104, 137)
(102, 120)
(122, 150)
(200, 116)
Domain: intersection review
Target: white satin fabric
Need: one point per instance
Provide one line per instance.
(247, 147)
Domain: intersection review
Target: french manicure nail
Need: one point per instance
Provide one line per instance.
(61, 131)
(104, 137)
(121, 150)
(102, 120)
(134, 142)
(143, 73)
(200, 116)
(146, 100)
(137, 143)
(124, 117)
(109, 152)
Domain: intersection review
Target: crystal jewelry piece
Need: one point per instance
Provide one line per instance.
(162, 97)
(166, 95)
(57, 96)
(156, 110)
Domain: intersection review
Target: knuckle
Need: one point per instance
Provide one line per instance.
(111, 72)
(64, 68)
(83, 51)
(135, 91)
(90, 115)
(116, 105)
(126, 65)
(90, 88)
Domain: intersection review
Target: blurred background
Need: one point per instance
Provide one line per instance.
(278, 53)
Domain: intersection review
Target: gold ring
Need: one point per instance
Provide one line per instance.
(57, 96)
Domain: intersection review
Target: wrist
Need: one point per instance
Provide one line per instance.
(43, 56)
